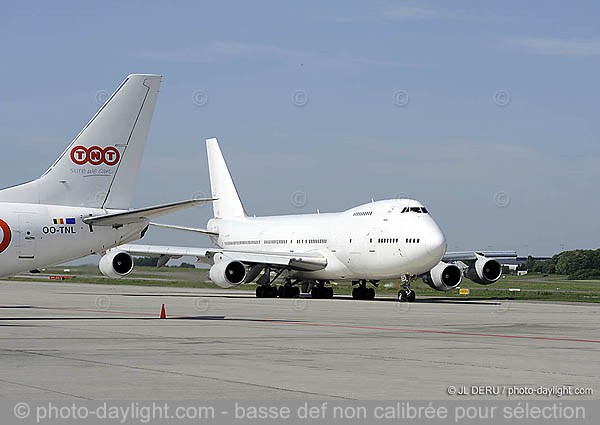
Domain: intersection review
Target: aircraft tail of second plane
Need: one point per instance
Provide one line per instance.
(227, 203)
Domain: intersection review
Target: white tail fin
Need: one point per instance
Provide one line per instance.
(99, 168)
(228, 202)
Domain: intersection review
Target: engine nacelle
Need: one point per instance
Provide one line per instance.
(443, 277)
(116, 264)
(228, 273)
(485, 272)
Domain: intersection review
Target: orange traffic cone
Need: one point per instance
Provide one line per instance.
(163, 313)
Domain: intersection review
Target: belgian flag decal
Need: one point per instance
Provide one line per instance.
(69, 220)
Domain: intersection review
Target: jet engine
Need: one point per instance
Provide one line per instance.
(443, 277)
(485, 271)
(228, 273)
(116, 264)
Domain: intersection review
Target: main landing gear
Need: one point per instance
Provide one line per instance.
(406, 294)
(288, 290)
(266, 289)
(319, 290)
(361, 292)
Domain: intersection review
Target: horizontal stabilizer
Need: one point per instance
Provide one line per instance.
(186, 229)
(141, 214)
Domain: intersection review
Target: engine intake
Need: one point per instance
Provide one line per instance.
(485, 272)
(443, 277)
(228, 273)
(116, 264)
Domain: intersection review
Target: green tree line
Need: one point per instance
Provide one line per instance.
(577, 264)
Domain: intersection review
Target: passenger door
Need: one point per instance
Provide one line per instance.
(27, 241)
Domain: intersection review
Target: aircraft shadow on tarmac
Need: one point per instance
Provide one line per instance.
(429, 300)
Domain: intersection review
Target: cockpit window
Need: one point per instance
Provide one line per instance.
(415, 210)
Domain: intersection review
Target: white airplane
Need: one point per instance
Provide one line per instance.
(80, 205)
(380, 240)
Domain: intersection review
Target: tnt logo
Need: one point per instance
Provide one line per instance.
(6, 235)
(95, 155)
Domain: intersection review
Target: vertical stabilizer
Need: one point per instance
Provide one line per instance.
(228, 202)
(99, 168)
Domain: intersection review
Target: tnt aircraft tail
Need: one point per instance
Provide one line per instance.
(99, 168)
(227, 203)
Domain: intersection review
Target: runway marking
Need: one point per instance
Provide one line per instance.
(172, 372)
(96, 311)
(328, 325)
(43, 389)
(374, 328)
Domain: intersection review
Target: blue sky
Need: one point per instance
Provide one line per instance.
(486, 112)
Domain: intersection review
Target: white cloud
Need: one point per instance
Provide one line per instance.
(556, 46)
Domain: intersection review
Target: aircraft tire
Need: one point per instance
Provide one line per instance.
(271, 291)
(315, 292)
(402, 296)
(370, 294)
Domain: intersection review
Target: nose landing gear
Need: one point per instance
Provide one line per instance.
(406, 294)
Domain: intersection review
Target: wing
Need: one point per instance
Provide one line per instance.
(294, 261)
(141, 214)
(186, 229)
(474, 255)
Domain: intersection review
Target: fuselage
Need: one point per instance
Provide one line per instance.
(37, 235)
(378, 240)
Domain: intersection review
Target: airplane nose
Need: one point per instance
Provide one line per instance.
(435, 243)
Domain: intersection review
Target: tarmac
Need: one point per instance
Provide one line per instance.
(64, 340)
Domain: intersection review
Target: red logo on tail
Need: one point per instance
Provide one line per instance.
(95, 155)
